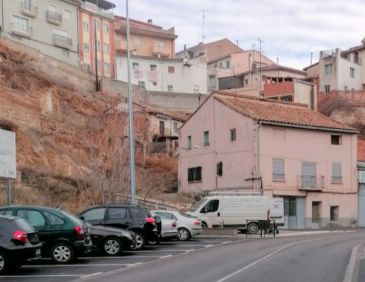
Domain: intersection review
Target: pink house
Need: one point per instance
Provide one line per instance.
(241, 143)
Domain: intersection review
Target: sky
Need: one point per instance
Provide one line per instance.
(290, 29)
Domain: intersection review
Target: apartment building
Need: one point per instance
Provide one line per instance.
(146, 39)
(50, 26)
(97, 37)
(242, 143)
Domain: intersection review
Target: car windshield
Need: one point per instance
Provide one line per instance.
(197, 205)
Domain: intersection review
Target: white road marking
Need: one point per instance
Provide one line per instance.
(254, 263)
(41, 276)
(74, 265)
(350, 269)
(188, 251)
(165, 256)
(161, 251)
(90, 275)
(126, 257)
(208, 246)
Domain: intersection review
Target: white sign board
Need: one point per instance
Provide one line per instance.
(7, 154)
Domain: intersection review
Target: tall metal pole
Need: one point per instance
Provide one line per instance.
(96, 50)
(130, 117)
(10, 193)
(260, 78)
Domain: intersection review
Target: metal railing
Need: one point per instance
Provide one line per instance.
(62, 41)
(29, 9)
(311, 182)
(21, 28)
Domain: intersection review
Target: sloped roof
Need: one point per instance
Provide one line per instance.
(281, 113)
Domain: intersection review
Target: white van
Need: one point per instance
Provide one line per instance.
(237, 210)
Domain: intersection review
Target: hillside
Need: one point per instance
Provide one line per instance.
(72, 149)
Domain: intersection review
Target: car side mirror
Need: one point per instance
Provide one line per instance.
(82, 218)
(204, 210)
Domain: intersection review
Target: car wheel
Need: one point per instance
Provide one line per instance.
(112, 246)
(184, 234)
(252, 228)
(155, 241)
(139, 241)
(62, 253)
(4, 263)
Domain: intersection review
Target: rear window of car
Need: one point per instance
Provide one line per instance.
(187, 215)
(75, 219)
(140, 212)
(23, 225)
(54, 219)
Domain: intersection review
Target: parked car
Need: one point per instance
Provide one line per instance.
(131, 217)
(18, 243)
(187, 225)
(112, 241)
(168, 227)
(64, 237)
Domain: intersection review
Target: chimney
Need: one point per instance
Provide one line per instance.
(149, 21)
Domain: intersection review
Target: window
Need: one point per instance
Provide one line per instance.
(117, 213)
(51, 8)
(162, 128)
(96, 23)
(211, 206)
(212, 82)
(86, 48)
(328, 69)
(94, 214)
(278, 173)
(160, 44)
(189, 142)
(326, 89)
(220, 168)
(141, 84)
(53, 219)
(170, 88)
(98, 45)
(85, 26)
(336, 173)
(153, 67)
(195, 174)
(175, 126)
(206, 138)
(154, 83)
(352, 72)
(336, 139)
(135, 66)
(34, 218)
(334, 211)
(67, 15)
(138, 41)
(106, 48)
(171, 69)
(309, 179)
(106, 67)
(362, 177)
(228, 64)
(233, 134)
(106, 27)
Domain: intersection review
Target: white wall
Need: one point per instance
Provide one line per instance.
(185, 79)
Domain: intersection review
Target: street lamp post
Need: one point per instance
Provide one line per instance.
(130, 116)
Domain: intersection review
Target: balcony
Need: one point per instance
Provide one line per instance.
(54, 17)
(121, 46)
(160, 51)
(310, 182)
(62, 41)
(29, 10)
(22, 30)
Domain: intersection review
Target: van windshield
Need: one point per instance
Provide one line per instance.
(197, 205)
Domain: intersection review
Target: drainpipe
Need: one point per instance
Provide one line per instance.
(2, 17)
(258, 157)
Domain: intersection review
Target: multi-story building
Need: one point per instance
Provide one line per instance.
(234, 63)
(164, 74)
(241, 143)
(50, 26)
(146, 39)
(97, 43)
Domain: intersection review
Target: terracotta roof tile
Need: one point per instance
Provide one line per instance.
(273, 112)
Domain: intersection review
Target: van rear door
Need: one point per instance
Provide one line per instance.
(277, 210)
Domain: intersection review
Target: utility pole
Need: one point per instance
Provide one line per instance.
(96, 50)
(130, 116)
(203, 25)
(260, 42)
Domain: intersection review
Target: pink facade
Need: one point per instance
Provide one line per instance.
(330, 201)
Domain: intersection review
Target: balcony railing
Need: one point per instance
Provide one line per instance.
(54, 17)
(62, 41)
(21, 29)
(311, 182)
(29, 9)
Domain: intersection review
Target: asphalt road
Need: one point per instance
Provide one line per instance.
(314, 258)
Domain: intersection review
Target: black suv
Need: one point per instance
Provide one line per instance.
(128, 217)
(18, 243)
(63, 235)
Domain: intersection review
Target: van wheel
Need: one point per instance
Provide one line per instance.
(204, 225)
(140, 241)
(252, 228)
(112, 246)
(184, 234)
(62, 253)
(4, 263)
